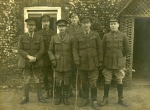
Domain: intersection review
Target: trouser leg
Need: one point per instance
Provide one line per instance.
(65, 94)
(26, 94)
(58, 98)
(106, 92)
(27, 75)
(39, 93)
(120, 95)
(108, 77)
(38, 77)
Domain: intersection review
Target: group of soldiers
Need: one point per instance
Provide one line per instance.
(75, 50)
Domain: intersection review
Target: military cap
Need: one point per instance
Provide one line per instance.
(45, 18)
(30, 21)
(85, 19)
(61, 22)
(73, 15)
(113, 20)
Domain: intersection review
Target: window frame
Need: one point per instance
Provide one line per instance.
(54, 10)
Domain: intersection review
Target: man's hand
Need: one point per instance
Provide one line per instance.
(53, 63)
(31, 58)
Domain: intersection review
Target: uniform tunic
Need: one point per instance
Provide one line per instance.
(115, 47)
(30, 46)
(88, 50)
(61, 51)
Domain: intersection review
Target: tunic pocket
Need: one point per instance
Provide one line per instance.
(57, 45)
(93, 42)
(26, 45)
(37, 45)
(67, 46)
(120, 43)
(58, 63)
(109, 43)
(96, 61)
(81, 43)
(121, 60)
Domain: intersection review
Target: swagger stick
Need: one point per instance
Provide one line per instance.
(76, 90)
(53, 85)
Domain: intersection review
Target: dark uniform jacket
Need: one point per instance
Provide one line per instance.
(46, 39)
(61, 51)
(73, 30)
(87, 50)
(115, 47)
(30, 46)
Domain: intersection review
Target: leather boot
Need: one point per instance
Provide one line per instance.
(47, 95)
(94, 97)
(70, 93)
(120, 95)
(24, 100)
(26, 94)
(40, 98)
(65, 95)
(106, 92)
(58, 98)
(85, 100)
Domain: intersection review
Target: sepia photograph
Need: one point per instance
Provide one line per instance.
(74, 54)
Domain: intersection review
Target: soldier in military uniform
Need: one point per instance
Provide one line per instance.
(88, 56)
(73, 29)
(31, 49)
(115, 48)
(47, 33)
(74, 26)
(60, 54)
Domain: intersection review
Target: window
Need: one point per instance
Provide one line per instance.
(37, 12)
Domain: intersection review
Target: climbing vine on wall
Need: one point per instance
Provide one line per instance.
(10, 31)
(99, 10)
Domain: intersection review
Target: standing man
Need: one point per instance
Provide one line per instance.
(73, 29)
(88, 58)
(60, 54)
(115, 48)
(31, 49)
(47, 33)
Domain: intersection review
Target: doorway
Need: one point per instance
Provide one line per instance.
(141, 49)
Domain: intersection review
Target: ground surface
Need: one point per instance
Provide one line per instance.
(138, 98)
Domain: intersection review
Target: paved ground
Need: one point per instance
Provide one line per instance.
(138, 98)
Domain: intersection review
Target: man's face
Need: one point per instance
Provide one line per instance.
(86, 25)
(62, 29)
(45, 24)
(114, 26)
(31, 27)
(74, 20)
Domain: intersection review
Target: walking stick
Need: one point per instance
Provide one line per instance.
(53, 85)
(76, 90)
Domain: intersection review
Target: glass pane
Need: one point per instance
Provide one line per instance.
(39, 25)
